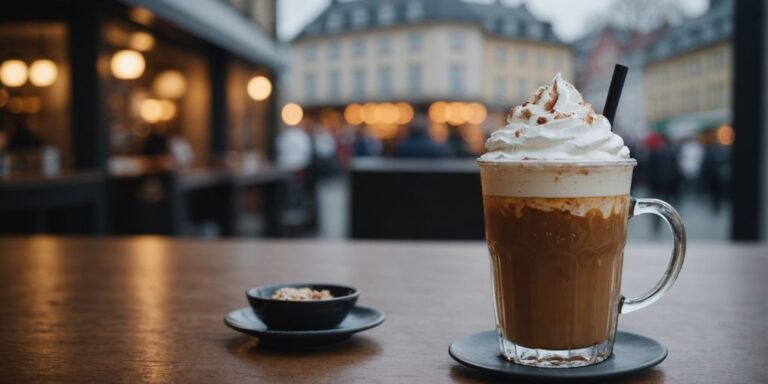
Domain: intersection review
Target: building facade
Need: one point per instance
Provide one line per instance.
(688, 76)
(421, 52)
(595, 57)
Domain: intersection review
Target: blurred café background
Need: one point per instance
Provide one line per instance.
(359, 118)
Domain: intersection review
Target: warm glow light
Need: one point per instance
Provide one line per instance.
(389, 113)
(455, 113)
(13, 73)
(383, 131)
(725, 134)
(438, 132)
(43, 73)
(405, 113)
(353, 114)
(127, 64)
(4, 97)
(151, 110)
(31, 104)
(168, 110)
(477, 113)
(292, 114)
(437, 112)
(16, 105)
(142, 15)
(141, 41)
(259, 88)
(371, 113)
(170, 84)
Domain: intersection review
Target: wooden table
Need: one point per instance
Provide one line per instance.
(150, 310)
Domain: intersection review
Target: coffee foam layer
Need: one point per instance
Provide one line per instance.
(604, 206)
(574, 189)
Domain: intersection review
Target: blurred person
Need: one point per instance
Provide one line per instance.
(365, 144)
(715, 171)
(294, 147)
(418, 143)
(167, 148)
(180, 149)
(690, 161)
(456, 145)
(20, 137)
(324, 145)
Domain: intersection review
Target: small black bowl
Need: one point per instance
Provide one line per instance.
(302, 315)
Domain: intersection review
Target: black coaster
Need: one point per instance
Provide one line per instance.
(359, 319)
(631, 353)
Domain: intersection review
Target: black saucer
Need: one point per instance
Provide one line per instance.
(631, 353)
(359, 319)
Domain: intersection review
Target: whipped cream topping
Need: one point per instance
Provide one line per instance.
(555, 124)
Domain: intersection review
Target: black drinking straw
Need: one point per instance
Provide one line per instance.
(614, 91)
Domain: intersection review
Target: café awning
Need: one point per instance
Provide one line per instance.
(691, 124)
(219, 24)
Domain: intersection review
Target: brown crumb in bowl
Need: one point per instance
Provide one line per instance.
(301, 294)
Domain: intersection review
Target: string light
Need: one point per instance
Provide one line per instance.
(259, 88)
(14, 73)
(127, 64)
(292, 114)
(43, 73)
(170, 84)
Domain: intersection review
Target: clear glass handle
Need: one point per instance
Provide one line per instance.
(675, 222)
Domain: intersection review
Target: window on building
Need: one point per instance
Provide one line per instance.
(414, 79)
(414, 10)
(359, 17)
(358, 82)
(500, 89)
(385, 44)
(535, 30)
(358, 47)
(310, 52)
(522, 89)
(333, 23)
(501, 54)
(457, 40)
(510, 27)
(522, 55)
(310, 86)
(334, 84)
(334, 48)
(414, 42)
(456, 78)
(386, 14)
(385, 81)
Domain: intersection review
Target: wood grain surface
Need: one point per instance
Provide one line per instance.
(150, 310)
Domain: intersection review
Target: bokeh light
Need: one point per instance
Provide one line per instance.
(151, 110)
(405, 113)
(292, 114)
(259, 88)
(725, 135)
(353, 114)
(141, 41)
(438, 112)
(13, 73)
(43, 73)
(127, 64)
(170, 84)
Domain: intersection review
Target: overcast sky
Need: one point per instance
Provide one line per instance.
(569, 17)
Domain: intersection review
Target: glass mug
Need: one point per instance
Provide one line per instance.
(556, 233)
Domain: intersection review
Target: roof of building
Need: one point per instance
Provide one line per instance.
(713, 26)
(514, 22)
